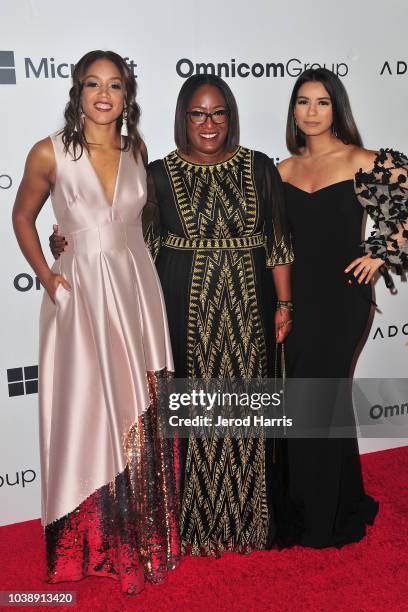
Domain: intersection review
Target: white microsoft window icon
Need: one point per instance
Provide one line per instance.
(7, 68)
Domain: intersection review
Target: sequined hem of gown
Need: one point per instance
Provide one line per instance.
(128, 529)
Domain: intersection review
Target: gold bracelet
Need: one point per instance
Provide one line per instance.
(287, 304)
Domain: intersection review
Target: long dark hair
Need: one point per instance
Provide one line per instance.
(186, 93)
(73, 135)
(344, 125)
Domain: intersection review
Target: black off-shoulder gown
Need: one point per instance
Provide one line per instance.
(326, 488)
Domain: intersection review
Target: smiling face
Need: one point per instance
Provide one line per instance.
(313, 109)
(102, 97)
(208, 139)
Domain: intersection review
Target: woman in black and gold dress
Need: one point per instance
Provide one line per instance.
(214, 219)
(326, 194)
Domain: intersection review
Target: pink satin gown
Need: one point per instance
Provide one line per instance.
(109, 491)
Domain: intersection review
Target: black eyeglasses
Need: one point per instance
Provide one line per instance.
(200, 117)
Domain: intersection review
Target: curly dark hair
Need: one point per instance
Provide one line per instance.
(73, 135)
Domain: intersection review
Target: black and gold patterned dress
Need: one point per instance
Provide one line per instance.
(216, 231)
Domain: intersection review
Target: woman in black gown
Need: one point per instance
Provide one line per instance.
(326, 194)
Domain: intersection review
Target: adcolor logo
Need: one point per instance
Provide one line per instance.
(398, 68)
(391, 331)
(7, 68)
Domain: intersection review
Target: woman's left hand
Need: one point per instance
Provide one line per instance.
(283, 323)
(364, 268)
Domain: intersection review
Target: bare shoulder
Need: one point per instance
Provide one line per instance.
(40, 164)
(362, 158)
(42, 153)
(285, 167)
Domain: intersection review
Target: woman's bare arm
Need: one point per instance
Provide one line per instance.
(34, 189)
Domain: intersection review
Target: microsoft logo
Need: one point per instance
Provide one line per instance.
(41, 68)
(22, 381)
(7, 68)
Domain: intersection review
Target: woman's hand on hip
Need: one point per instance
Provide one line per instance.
(364, 268)
(57, 242)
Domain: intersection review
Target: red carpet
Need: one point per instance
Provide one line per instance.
(369, 576)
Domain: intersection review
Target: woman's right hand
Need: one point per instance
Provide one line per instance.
(57, 242)
(51, 285)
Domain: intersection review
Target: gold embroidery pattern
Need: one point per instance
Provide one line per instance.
(244, 242)
(224, 503)
(281, 254)
(225, 336)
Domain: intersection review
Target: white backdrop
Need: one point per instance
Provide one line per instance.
(39, 39)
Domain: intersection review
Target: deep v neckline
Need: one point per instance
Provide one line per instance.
(98, 180)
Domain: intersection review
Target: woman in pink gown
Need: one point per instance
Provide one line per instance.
(109, 493)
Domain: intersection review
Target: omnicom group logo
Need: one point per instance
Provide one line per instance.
(233, 68)
(7, 68)
(20, 478)
(24, 282)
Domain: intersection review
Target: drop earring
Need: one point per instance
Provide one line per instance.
(334, 131)
(124, 128)
(80, 124)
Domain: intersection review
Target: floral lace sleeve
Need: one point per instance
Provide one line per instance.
(151, 218)
(383, 192)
